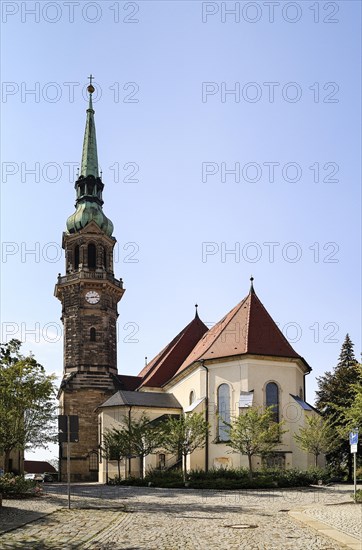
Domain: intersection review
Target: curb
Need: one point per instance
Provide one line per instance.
(347, 541)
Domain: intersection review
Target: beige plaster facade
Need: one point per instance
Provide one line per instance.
(113, 417)
(197, 390)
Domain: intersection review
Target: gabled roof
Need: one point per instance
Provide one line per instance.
(127, 382)
(305, 406)
(37, 467)
(142, 399)
(158, 371)
(246, 329)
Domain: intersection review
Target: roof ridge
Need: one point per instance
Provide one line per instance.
(280, 332)
(248, 322)
(173, 354)
(236, 308)
(165, 351)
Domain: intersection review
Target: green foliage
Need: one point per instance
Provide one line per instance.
(353, 415)
(134, 438)
(181, 436)
(254, 432)
(27, 405)
(171, 479)
(115, 447)
(229, 479)
(317, 437)
(18, 487)
(217, 473)
(358, 496)
(335, 399)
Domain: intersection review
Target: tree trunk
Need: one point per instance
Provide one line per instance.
(184, 468)
(6, 461)
(316, 460)
(250, 468)
(350, 468)
(141, 466)
(119, 469)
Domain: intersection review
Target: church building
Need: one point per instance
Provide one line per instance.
(242, 361)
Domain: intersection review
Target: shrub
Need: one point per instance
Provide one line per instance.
(17, 487)
(165, 478)
(114, 480)
(223, 473)
(225, 478)
(358, 496)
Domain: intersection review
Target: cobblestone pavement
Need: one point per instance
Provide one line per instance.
(115, 518)
(345, 517)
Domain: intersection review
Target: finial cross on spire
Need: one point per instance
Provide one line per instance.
(90, 78)
(251, 285)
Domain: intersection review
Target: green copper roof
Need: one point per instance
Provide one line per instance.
(89, 166)
(86, 212)
(89, 185)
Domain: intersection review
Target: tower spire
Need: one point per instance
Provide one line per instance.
(89, 186)
(89, 165)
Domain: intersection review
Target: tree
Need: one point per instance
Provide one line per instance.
(254, 432)
(335, 398)
(115, 447)
(135, 438)
(143, 437)
(317, 437)
(181, 436)
(353, 415)
(27, 405)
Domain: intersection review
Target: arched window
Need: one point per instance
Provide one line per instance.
(272, 399)
(191, 397)
(76, 257)
(105, 258)
(93, 461)
(92, 255)
(92, 334)
(161, 461)
(223, 409)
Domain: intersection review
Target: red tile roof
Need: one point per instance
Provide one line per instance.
(246, 329)
(162, 368)
(127, 382)
(37, 467)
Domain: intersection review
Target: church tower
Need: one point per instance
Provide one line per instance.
(89, 293)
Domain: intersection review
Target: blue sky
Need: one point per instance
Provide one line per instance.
(166, 119)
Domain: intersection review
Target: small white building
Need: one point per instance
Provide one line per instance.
(242, 361)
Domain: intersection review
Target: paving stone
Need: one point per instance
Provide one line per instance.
(131, 518)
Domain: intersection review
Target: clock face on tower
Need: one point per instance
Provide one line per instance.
(92, 297)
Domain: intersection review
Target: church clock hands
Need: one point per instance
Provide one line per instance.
(92, 297)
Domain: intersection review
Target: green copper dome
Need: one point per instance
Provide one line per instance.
(89, 185)
(86, 212)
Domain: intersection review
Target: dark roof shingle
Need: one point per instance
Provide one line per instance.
(142, 399)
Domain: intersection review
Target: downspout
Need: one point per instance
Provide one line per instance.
(206, 415)
(129, 450)
(304, 389)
